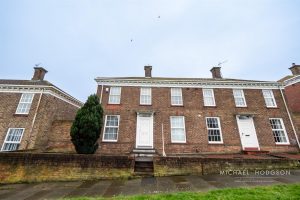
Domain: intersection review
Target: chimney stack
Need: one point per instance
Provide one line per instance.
(295, 69)
(216, 72)
(148, 70)
(39, 73)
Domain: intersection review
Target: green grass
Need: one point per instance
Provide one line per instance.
(291, 191)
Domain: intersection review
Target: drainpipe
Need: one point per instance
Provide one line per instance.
(163, 140)
(34, 117)
(290, 118)
(101, 93)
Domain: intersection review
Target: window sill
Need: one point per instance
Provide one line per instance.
(20, 115)
(145, 104)
(217, 143)
(177, 106)
(282, 144)
(109, 141)
(209, 106)
(241, 106)
(272, 107)
(114, 104)
(178, 143)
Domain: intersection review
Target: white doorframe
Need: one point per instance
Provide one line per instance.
(242, 133)
(150, 130)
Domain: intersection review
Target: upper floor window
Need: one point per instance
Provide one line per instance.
(209, 97)
(269, 98)
(111, 128)
(114, 95)
(12, 139)
(178, 129)
(145, 96)
(176, 97)
(25, 103)
(279, 131)
(214, 130)
(239, 98)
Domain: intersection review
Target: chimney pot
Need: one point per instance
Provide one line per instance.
(39, 73)
(148, 71)
(295, 69)
(216, 72)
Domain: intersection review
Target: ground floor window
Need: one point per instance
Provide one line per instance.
(12, 139)
(214, 130)
(111, 128)
(178, 129)
(279, 131)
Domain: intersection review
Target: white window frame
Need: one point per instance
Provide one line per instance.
(241, 97)
(173, 95)
(220, 129)
(105, 126)
(213, 96)
(283, 129)
(22, 103)
(114, 95)
(272, 97)
(177, 141)
(12, 142)
(141, 91)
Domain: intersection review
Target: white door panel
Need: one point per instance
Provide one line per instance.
(247, 132)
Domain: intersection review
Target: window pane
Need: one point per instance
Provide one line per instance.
(208, 97)
(269, 98)
(176, 96)
(111, 128)
(13, 139)
(213, 129)
(278, 130)
(25, 103)
(177, 129)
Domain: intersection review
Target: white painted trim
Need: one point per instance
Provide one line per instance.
(172, 141)
(243, 95)
(213, 96)
(181, 96)
(293, 80)
(239, 129)
(273, 97)
(284, 131)
(104, 140)
(8, 88)
(12, 142)
(142, 103)
(19, 113)
(109, 97)
(189, 83)
(221, 135)
(151, 130)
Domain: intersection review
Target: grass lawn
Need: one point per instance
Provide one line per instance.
(291, 191)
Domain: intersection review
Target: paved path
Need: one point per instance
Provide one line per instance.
(109, 188)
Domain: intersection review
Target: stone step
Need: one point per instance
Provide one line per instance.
(144, 151)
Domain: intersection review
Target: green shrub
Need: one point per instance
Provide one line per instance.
(86, 128)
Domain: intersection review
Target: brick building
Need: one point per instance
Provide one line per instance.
(292, 92)
(31, 111)
(183, 116)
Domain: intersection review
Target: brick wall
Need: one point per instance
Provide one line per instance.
(195, 113)
(50, 110)
(292, 93)
(29, 167)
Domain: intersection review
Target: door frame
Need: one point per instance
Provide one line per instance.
(240, 133)
(150, 115)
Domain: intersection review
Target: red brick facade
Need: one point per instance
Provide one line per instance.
(48, 106)
(194, 111)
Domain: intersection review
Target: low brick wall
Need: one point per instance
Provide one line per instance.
(33, 167)
(166, 166)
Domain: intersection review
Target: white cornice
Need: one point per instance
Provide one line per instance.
(293, 80)
(51, 90)
(189, 83)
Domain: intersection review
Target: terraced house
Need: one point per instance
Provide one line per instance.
(32, 112)
(187, 116)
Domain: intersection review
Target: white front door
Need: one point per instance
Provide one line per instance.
(144, 131)
(247, 132)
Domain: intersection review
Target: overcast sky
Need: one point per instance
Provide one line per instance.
(78, 40)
